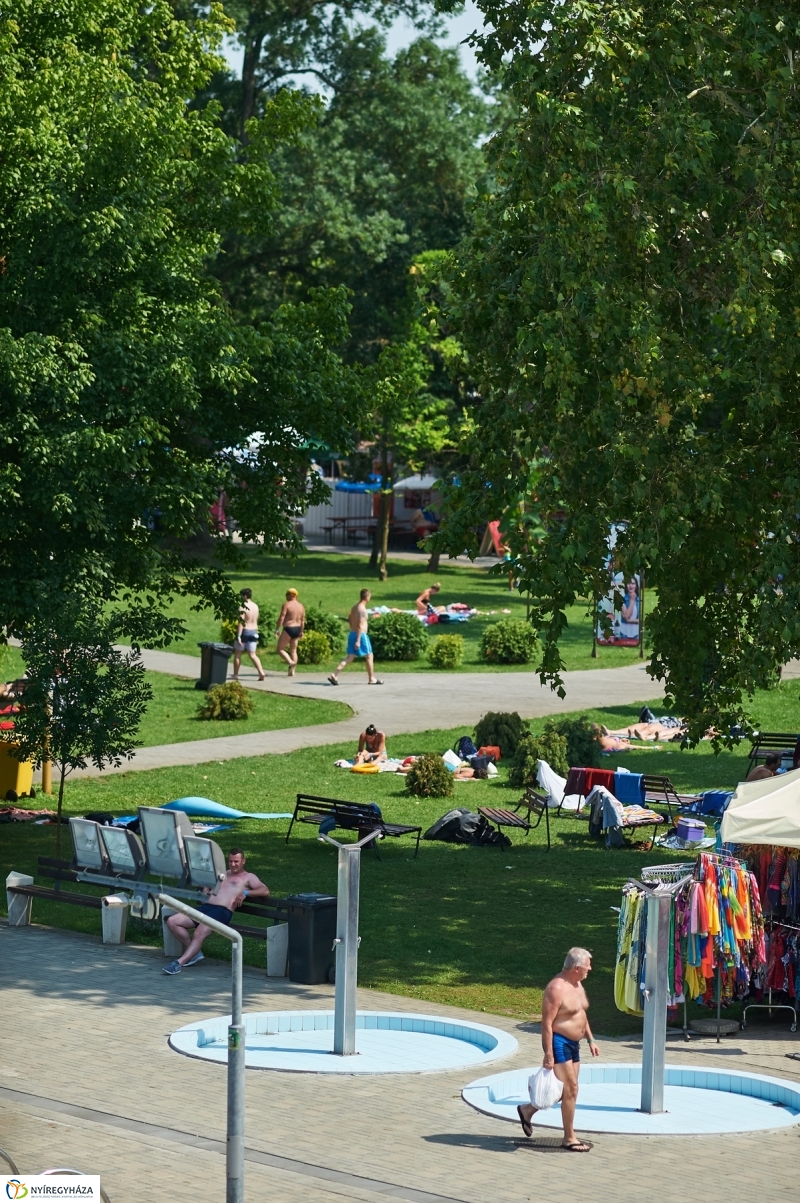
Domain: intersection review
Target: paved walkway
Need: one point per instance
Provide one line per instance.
(87, 1080)
(406, 702)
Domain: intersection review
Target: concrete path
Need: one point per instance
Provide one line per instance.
(88, 1080)
(406, 702)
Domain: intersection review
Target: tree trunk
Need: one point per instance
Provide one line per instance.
(433, 562)
(252, 57)
(384, 514)
(58, 811)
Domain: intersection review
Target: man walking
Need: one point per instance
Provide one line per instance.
(564, 1024)
(358, 644)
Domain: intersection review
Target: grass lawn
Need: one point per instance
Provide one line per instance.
(333, 582)
(483, 928)
(171, 716)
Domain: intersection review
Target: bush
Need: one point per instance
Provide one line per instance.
(329, 625)
(446, 651)
(583, 750)
(509, 641)
(501, 730)
(226, 702)
(397, 637)
(313, 648)
(549, 746)
(429, 777)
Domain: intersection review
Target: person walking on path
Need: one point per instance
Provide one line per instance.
(290, 629)
(358, 644)
(564, 1024)
(247, 635)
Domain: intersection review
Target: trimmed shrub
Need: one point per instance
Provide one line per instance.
(226, 703)
(549, 746)
(397, 637)
(501, 730)
(313, 648)
(446, 651)
(329, 624)
(509, 641)
(429, 777)
(583, 750)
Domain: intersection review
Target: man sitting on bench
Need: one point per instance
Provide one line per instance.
(229, 894)
(762, 772)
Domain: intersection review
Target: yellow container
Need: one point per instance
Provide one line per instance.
(14, 774)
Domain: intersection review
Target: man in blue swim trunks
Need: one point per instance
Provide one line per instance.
(358, 644)
(564, 1024)
(237, 885)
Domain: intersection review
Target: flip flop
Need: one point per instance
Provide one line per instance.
(333, 680)
(373, 682)
(580, 1146)
(526, 1127)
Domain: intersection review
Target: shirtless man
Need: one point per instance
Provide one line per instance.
(371, 746)
(762, 772)
(229, 894)
(564, 1023)
(290, 628)
(358, 644)
(247, 635)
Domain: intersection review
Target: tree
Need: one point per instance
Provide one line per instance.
(629, 301)
(128, 390)
(385, 174)
(84, 698)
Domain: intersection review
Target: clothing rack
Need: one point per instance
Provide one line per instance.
(770, 1005)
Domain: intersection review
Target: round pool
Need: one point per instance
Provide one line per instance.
(698, 1101)
(386, 1042)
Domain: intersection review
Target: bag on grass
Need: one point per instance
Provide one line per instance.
(466, 748)
(544, 1089)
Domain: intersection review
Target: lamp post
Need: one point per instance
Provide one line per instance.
(347, 941)
(234, 1155)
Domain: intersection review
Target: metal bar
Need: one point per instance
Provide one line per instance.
(234, 1159)
(719, 998)
(655, 1001)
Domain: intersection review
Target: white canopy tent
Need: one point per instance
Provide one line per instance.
(765, 812)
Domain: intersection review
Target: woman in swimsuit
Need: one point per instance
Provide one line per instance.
(291, 624)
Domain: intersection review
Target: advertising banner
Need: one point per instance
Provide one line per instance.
(50, 1186)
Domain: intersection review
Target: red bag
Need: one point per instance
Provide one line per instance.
(490, 751)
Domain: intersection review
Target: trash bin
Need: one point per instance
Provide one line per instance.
(213, 664)
(115, 918)
(312, 930)
(16, 776)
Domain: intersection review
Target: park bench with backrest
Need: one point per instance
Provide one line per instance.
(521, 815)
(764, 742)
(362, 817)
(661, 792)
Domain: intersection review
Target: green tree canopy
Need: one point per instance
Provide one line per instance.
(629, 298)
(128, 392)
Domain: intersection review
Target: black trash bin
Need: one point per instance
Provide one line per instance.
(312, 930)
(213, 664)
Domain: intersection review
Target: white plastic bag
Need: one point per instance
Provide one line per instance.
(451, 760)
(544, 1089)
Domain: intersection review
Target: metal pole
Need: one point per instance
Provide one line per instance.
(347, 942)
(234, 1157)
(655, 1001)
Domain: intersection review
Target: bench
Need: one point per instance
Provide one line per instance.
(352, 816)
(764, 742)
(661, 792)
(529, 804)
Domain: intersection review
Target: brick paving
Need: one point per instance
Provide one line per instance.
(85, 1026)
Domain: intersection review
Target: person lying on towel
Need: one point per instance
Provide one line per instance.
(371, 746)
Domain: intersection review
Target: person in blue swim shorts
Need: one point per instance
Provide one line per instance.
(564, 1025)
(358, 643)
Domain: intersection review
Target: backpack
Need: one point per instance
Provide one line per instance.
(466, 748)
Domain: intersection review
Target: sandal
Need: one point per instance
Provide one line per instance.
(333, 680)
(375, 682)
(579, 1146)
(526, 1126)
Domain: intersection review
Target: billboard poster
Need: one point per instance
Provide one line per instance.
(625, 623)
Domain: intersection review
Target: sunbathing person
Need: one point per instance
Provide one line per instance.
(609, 741)
(371, 746)
(424, 600)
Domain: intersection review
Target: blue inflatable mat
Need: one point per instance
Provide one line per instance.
(204, 808)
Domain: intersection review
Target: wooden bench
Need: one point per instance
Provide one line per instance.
(61, 871)
(352, 816)
(764, 742)
(661, 792)
(529, 804)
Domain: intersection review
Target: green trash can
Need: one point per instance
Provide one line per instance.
(312, 930)
(214, 659)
